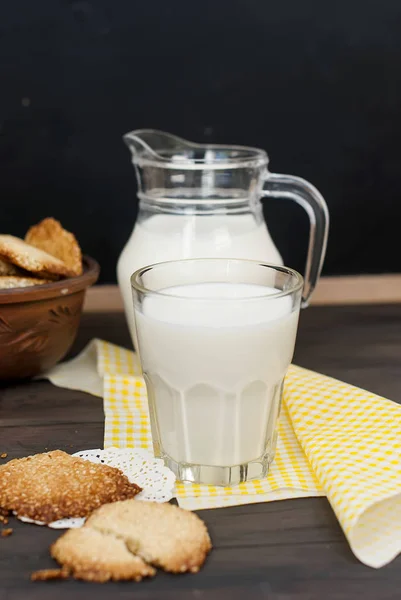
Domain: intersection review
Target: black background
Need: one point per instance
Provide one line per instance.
(315, 83)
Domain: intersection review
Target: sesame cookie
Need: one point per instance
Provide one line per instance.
(92, 556)
(162, 534)
(50, 236)
(8, 282)
(38, 262)
(54, 485)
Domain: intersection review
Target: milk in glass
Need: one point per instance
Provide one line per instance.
(214, 356)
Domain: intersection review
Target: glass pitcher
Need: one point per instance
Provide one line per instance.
(203, 200)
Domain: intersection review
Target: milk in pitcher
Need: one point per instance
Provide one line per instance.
(170, 237)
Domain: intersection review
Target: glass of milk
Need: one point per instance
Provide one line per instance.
(216, 337)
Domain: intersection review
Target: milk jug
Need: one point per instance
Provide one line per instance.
(204, 200)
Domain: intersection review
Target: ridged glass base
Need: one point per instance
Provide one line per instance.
(221, 476)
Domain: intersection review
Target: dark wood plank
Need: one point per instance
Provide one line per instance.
(287, 550)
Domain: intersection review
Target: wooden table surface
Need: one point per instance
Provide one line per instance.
(285, 550)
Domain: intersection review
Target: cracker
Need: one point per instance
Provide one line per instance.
(54, 485)
(10, 281)
(32, 259)
(7, 268)
(162, 534)
(92, 556)
(50, 236)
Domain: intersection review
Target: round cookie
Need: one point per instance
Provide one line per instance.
(54, 485)
(162, 534)
(38, 262)
(8, 282)
(50, 236)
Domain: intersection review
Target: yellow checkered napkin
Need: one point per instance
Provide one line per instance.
(334, 440)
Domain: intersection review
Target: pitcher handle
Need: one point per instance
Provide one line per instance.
(304, 193)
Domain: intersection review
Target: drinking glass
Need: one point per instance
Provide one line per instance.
(216, 337)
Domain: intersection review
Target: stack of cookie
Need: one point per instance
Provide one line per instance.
(47, 254)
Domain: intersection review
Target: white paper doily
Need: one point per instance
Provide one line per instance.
(156, 480)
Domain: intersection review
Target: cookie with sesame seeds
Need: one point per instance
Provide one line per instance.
(90, 555)
(8, 282)
(54, 485)
(34, 260)
(163, 535)
(50, 236)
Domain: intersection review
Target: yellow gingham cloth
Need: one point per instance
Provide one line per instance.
(334, 439)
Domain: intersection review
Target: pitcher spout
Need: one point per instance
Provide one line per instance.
(153, 145)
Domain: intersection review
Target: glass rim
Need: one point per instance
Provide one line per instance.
(138, 287)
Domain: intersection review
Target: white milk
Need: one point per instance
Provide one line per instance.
(214, 369)
(173, 237)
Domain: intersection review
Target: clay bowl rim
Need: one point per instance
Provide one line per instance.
(64, 287)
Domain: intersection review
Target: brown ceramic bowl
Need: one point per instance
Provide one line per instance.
(38, 324)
